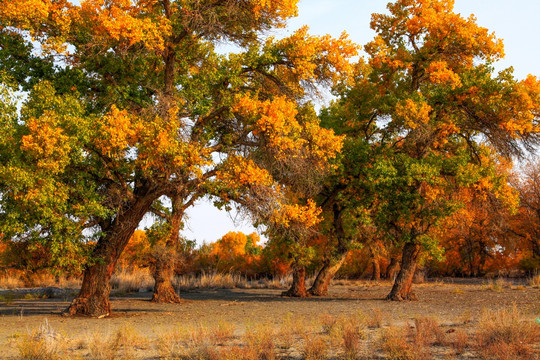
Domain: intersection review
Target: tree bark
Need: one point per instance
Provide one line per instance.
(93, 299)
(164, 257)
(392, 268)
(163, 271)
(332, 265)
(298, 287)
(326, 274)
(402, 289)
(376, 274)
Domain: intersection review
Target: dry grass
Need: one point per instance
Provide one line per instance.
(261, 343)
(503, 335)
(315, 347)
(171, 345)
(498, 285)
(123, 344)
(15, 279)
(11, 281)
(351, 341)
(428, 332)
(500, 335)
(140, 279)
(228, 281)
(222, 332)
(328, 322)
(461, 341)
(535, 281)
(393, 342)
(375, 318)
(41, 344)
(127, 281)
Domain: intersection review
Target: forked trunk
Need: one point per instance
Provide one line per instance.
(298, 287)
(325, 275)
(402, 289)
(162, 271)
(93, 299)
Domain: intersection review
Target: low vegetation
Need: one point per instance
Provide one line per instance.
(499, 335)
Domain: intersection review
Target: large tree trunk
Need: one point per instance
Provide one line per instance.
(402, 289)
(93, 299)
(298, 287)
(326, 274)
(164, 257)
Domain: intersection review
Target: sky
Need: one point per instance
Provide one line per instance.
(516, 22)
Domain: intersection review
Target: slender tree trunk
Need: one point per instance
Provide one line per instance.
(326, 274)
(402, 289)
(298, 287)
(376, 275)
(165, 258)
(332, 266)
(163, 271)
(93, 299)
(392, 268)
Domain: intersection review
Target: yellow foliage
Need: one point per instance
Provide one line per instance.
(413, 113)
(47, 142)
(118, 132)
(319, 57)
(439, 73)
(289, 215)
(239, 172)
(120, 21)
(279, 9)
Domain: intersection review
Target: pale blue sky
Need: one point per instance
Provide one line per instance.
(517, 22)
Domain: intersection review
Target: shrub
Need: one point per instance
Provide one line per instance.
(504, 335)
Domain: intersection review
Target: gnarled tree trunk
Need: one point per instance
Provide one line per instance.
(402, 289)
(326, 274)
(298, 287)
(93, 299)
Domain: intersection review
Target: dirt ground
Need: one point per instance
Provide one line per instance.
(450, 303)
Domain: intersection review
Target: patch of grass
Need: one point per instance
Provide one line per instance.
(261, 342)
(393, 342)
(466, 317)
(41, 344)
(120, 345)
(315, 347)
(351, 341)
(328, 322)
(428, 332)
(498, 285)
(170, 345)
(504, 335)
(461, 341)
(375, 318)
(535, 281)
(222, 331)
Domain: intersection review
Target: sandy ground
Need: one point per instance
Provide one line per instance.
(449, 303)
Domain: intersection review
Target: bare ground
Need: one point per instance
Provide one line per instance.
(453, 305)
